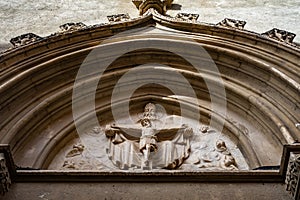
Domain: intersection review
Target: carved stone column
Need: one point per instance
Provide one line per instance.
(5, 180)
(293, 176)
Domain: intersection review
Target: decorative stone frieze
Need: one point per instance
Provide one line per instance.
(72, 26)
(187, 16)
(281, 35)
(293, 176)
(232, 23)
(159, 5)
(4, 175)
(118, 17)
(25, 39)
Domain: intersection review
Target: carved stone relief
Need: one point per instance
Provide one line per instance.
(293, 176)
(72, 26)
(25, 39)
(146, 145)
(79, 159)
(187, 16)
(118, 17)
(159, 5)
(4, 175)
(281, 35)
(233, 23)
(219, 158)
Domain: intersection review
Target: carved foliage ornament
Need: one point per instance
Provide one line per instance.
(72, 26)
(25, 39)
(4, 175)
(118, 17)
(187, 16)
(293, 176)
(233, 23)
(281, 35)
(159, 5)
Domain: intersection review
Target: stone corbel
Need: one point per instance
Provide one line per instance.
(118, 18)
(281, 35)
(232, 23)
(72, 26)
(159, 5)
(187, 16)
(25, 39)
(293, 176)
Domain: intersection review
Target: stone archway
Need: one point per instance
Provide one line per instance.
(259, 74)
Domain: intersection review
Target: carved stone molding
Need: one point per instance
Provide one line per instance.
(293, 176)
(159, 5)
(25, 39)
(281, 35)
(187, 16)
(4, 175)
(233, 23)
(72, 26)
(118, 17)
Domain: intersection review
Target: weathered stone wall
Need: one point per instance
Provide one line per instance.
(43, 17)
(186, 191)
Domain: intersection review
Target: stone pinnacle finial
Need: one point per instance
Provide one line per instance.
(159, 5)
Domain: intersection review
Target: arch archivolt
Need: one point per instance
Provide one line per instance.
(261, 94)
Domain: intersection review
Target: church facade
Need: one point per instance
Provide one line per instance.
(154, 105)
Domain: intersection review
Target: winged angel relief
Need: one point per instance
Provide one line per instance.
(151, 144)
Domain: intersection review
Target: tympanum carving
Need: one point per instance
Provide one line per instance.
(4, 175)
(219, 158)
(293, 176)
(146, 146)
(233, 23)
(118, 18)
(80, 159)
(154, 142)
(281, 35)
(25, 39)
(77, 150)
